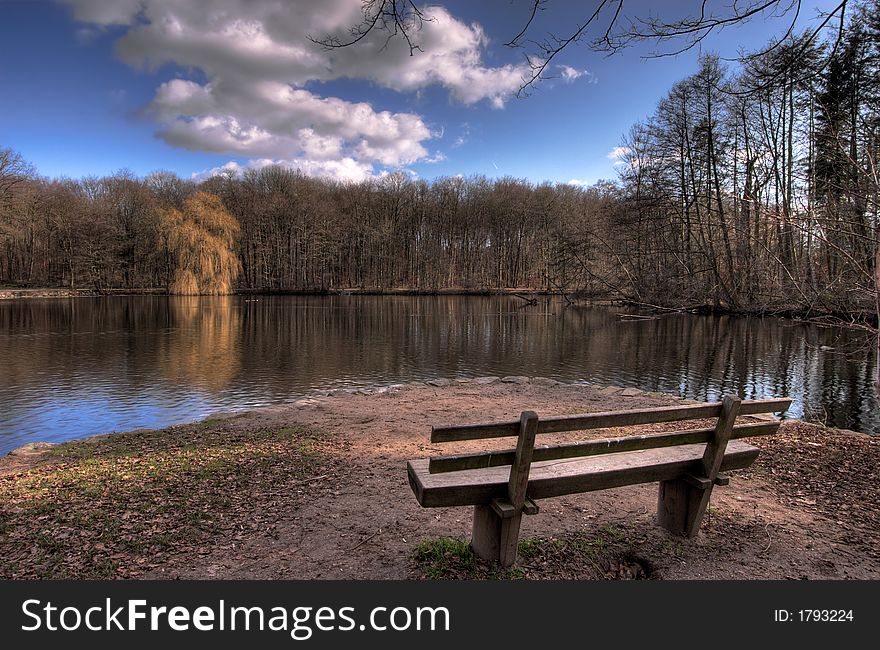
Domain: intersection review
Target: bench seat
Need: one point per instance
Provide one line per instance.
(555, 478)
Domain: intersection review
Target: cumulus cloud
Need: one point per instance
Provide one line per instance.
(272, 119)
(570, 74)
(618, 155)
(344, 169)
(257, 59)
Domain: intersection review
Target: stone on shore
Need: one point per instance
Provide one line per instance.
(32, 449)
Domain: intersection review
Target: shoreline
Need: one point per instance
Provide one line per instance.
(317, 489)
(37, 447)
(856, 320)
(28, 293)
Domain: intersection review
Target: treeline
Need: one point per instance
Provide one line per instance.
(296, 233)
(753, 189)
(760, 187)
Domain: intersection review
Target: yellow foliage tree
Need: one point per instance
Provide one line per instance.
(199, 242)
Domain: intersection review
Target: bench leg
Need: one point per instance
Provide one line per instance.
(680, 507)
(495, 539)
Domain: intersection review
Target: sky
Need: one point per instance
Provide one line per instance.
(90, 87)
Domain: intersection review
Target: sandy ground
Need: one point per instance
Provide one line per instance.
(358, 519)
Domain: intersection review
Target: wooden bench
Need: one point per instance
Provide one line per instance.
(504, 485)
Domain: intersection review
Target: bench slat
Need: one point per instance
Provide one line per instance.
(604, 420)
(482, 460)
(560, 477)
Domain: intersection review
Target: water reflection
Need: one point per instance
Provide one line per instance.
(70, 368)
(203, 348)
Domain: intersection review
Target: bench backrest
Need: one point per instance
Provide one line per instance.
(715, 438)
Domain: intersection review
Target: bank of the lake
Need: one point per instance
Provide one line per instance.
(318, 489)
(781, 310)
(62, 292)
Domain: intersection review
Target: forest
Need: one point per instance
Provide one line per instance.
(750, 188)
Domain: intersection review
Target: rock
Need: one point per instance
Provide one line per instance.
(463, 380)
(545, 381)
(32, 449)
(610, 390)
(439, 383)
(515, 379)
(485, 380)
(631, 392)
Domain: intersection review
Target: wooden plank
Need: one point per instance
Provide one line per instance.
(503, 508)
(603, 420)
(676, 500)
(700, 482)
(519, 469)
(560, 477)
(627, 418)
(714, 453)
(756, 406)
(509, 540)
(481, 460)
(486, 533)
(517, 483)
(713, 457)
(454, 433)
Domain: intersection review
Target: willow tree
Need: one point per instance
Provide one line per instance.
(198, 242)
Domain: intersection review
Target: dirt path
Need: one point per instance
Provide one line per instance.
(360, 520)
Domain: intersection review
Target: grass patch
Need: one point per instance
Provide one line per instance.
(445, 558)
(602, 556)
(115, 506)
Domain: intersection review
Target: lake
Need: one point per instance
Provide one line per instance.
(75, 367)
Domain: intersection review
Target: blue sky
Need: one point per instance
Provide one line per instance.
(91, 87)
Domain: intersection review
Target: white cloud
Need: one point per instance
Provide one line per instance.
(570, 74)
(463, 136)
(344, 169)
(618, 155)
(579, 182)
(257, 59)
(269, 119)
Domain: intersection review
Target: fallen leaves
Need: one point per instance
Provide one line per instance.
(832, 472)
(122, 505)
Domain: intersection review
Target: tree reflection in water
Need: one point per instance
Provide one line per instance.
(75, 367)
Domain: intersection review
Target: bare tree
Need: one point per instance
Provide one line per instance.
(606, 27)
(13, 171)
